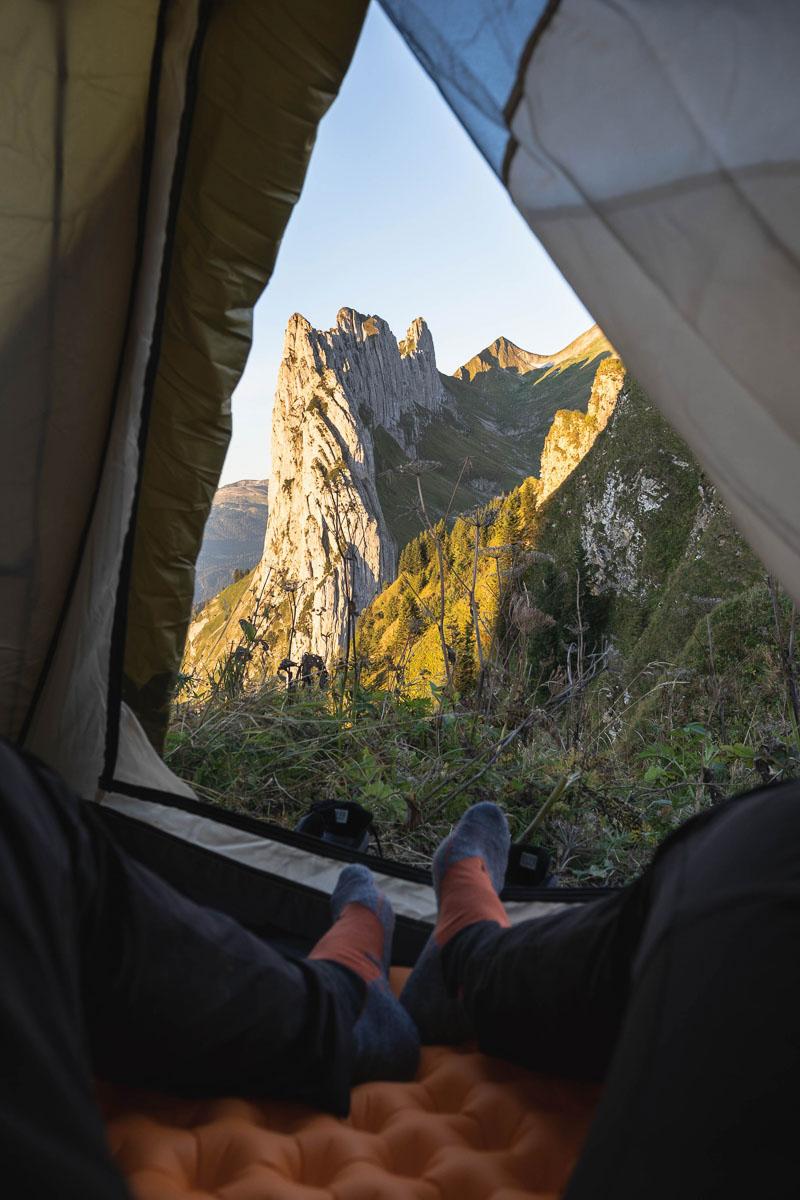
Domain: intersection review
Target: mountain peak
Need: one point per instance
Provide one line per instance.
(418, 340)
(503, 354)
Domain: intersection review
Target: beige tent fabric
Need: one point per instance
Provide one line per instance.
(73, 94)
(296, 865)
(658, 161)
(268, 73)
(68, 727)
(117, 114)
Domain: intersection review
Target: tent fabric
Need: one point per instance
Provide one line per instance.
(472, 52)
(151, 155)
(293, 862)
(90, 97)
(654, 148)
(267, 75)
(677, 220)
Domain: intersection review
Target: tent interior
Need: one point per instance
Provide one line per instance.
(157, 152)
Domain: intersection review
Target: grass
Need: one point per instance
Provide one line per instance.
(604, 780)
(499, 423)
(611, 713)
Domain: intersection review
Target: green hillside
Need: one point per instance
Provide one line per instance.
(497, 425)
(605, 664)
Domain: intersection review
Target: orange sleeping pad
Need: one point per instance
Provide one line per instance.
(468, 1128)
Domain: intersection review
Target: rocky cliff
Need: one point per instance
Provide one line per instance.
(640, 530)
(327, 542)
(354, 406)
(573, 433)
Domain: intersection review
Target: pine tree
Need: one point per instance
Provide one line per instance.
(407, 615)
(410, 557)
(466, 669)
(509, 524)
(529, 498)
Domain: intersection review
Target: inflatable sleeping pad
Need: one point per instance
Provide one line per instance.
(468, 1128)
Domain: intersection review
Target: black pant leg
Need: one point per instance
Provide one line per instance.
(182, 998)
(52, 1140)
(681, 992)
(550, 993)
(107, 969)
(701, 1098)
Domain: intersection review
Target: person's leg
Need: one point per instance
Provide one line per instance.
(701, 1094)
(182, 998)
(468, 872)
(550, 993)
(360, 939)
(109, 970)
(680, 992)
(52, 1141)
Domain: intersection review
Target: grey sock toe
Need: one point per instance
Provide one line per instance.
(482, 832)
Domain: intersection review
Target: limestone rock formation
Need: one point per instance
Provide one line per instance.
(353, 408)
(573, 433)
(326, 537)
(383, 382)
(328, 549)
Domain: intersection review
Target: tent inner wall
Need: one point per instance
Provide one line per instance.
(71, 163)
(94, 156)
(266, 77)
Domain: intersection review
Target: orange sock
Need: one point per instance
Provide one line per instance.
(466, 896)
(354, 941)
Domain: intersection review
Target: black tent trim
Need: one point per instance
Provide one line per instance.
(289, 914)
(269, 831)
(119, 632)
(148, 152)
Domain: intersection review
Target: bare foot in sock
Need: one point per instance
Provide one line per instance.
(468, 873)
(386, 1039)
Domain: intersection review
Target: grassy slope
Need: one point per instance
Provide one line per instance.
(499, 422)
(215, 633)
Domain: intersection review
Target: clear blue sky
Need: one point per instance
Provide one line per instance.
(400, 216)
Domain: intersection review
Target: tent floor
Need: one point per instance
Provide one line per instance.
(468, 1128)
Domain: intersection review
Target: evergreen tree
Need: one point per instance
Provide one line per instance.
(407, 615)
(528, 499)
(465, 675)
(411, 557)
(509, 523)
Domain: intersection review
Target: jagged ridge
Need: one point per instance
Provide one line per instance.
(353, 406)
(506, 356)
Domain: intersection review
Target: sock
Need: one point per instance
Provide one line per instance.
(467, 895)
(356, 939)
(468, 872)
(386, 1042)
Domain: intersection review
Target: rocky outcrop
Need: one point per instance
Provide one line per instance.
(573, 434)
(328, 549)
(353, 406)
(327, 543)
(384, 382)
